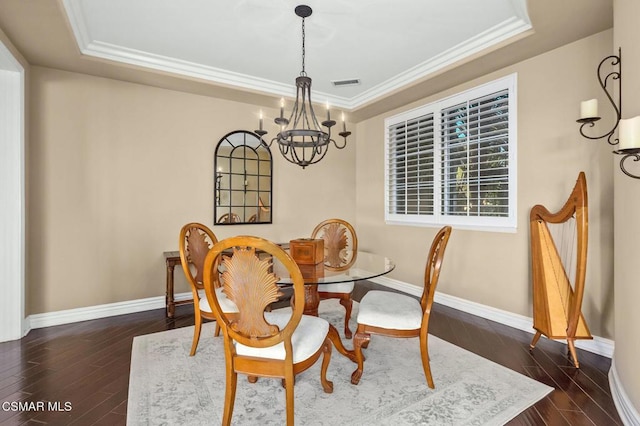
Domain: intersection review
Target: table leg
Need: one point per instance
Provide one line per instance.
(311, 299)
(170, 307)
(334, 336)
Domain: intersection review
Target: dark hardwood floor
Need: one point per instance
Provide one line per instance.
(84, 367)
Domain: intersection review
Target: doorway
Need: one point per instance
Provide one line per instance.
(13, 324)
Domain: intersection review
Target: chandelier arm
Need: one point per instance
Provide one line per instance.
(338, 145)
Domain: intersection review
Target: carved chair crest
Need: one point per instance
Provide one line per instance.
(250, 284)
(196, 250)
(335, 244)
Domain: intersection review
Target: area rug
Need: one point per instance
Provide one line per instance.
(167, 387)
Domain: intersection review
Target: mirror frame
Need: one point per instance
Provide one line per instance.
(234, 174)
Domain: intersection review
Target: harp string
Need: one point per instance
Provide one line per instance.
(559, 274)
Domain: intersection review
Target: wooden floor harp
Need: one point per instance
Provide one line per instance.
(559, 262)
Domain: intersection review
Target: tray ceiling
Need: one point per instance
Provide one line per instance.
(256, 45)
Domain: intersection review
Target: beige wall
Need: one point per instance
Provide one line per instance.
(493, 268)
(627, 206)
(117, 168)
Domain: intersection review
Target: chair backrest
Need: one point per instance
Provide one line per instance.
(340, 243)
(432, 269)
(195, 242)
(249, 282)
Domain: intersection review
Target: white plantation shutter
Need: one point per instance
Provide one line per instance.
(453, 161)
(475, 164)
(411, 149)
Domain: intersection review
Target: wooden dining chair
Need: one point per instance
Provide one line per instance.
(398, 315)
(195, 241)
(259, 343)
(340, 248)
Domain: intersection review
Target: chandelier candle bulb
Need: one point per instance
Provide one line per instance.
(629, 135)
(344, 124)
(328, 112)
(281, 107)
(589, 109)
(260, 120)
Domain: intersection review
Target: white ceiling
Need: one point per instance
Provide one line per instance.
(256, 44)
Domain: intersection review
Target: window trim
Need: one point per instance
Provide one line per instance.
(481, 223)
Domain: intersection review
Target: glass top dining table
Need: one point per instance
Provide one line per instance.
(356, 266)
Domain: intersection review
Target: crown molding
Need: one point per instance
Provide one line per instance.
(496, 35)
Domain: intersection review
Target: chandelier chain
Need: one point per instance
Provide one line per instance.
(303, 73)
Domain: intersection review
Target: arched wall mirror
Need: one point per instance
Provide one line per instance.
(242, 180)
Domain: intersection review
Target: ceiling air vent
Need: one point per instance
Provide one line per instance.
(347, 82)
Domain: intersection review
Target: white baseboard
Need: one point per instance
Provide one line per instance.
(599, 345)
(627, 412)
(68, 316)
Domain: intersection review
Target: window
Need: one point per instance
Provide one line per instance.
(454, 161)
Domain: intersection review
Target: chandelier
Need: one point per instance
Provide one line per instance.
(302, 140)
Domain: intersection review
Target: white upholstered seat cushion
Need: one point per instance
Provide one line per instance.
(306, 339)
(390, 310)
(226, 304)
(346, 287)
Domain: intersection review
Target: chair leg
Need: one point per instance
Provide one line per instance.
(326, 357)
(196, 334)
(229, 394)
(289, 385)
(424, 354)
(217, 333)
(348, 306)
(360, 340)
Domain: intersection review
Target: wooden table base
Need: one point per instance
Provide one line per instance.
(311, 303)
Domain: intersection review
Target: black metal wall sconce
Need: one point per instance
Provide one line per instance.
(628, 139)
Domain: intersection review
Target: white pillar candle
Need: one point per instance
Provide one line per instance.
(629, 133)
(589, 109)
